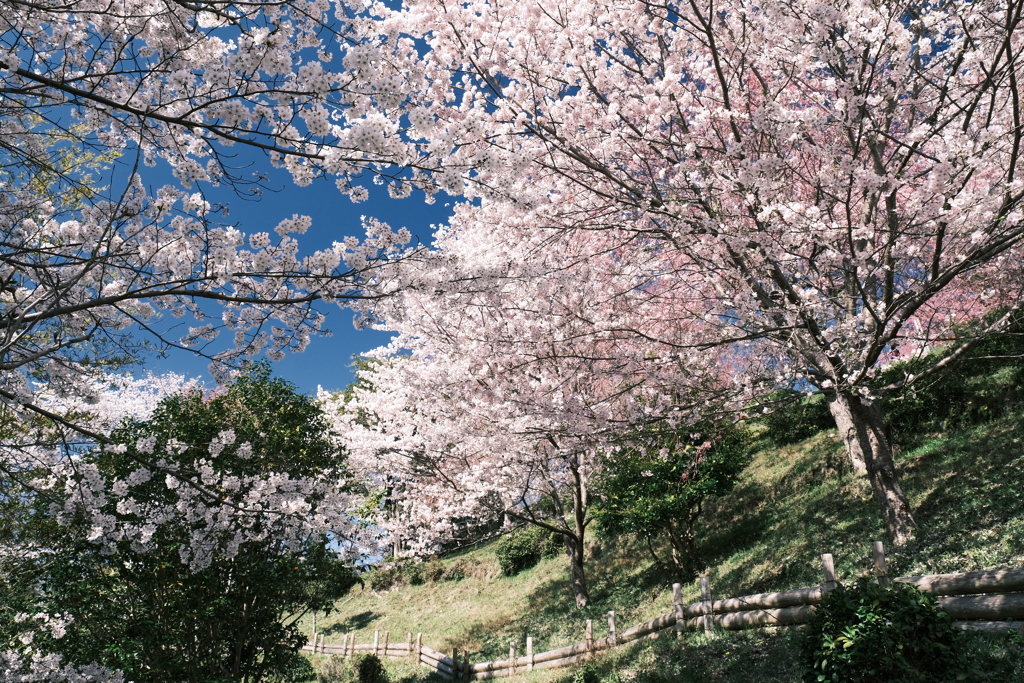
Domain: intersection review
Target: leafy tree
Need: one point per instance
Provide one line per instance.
(136, 604)
(656, 487)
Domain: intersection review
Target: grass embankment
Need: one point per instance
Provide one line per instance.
(790, 505)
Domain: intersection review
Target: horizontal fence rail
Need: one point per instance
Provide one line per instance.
(985, 601)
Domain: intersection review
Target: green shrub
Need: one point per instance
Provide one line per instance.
(381, 579)
(414, 574)
(517, 552)
(551, 544)
(656, 487)
(369, 669)
(868, 634)
(333, 670)
(795, 417)
(585, 674)
(433, 570)
(294, 669)
(987, 383)
(524, 549)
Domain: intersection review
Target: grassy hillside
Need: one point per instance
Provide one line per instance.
(791, 505)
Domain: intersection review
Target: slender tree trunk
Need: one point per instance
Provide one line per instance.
(684, 545)
(860, 424)
(576, 546)
(574, 550)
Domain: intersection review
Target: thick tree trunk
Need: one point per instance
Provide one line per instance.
(860, 424)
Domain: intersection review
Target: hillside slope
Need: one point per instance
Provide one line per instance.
(790, 505)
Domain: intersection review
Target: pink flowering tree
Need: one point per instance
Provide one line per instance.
(843, 175)
(92, 260)
(514, 368)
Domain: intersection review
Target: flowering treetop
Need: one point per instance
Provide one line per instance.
(844, 176)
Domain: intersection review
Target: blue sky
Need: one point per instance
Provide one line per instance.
(326, 362)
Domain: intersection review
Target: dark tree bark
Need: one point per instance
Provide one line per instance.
(574, 551)
(860, 425)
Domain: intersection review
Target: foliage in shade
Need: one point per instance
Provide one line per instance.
(868, 634)
(523, 549)
(984, 384)
(795, 417)
(656, 486)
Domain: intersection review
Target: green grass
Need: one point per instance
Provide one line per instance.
(791, 505)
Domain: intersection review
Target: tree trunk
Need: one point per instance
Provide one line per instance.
(684, 545)
(860, 424)
(574, 549)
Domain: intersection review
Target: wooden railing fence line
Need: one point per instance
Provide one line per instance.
(986, 600)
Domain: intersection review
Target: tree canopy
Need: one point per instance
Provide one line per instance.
(193, 598)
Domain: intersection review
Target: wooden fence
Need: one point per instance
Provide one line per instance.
(987, 600)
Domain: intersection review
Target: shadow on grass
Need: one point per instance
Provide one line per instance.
(741, 657)
(353, 622)
(966, 491)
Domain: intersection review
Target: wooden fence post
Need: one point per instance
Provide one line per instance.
(512, 658)
(352, 644)
(677, 599)
(611, 629)
(419, 647)
(323, 637)
(455, 664)
(408, 644)
(465, 665)
(387, 635)
(529, 653)
(376, 640)
(829, 570)
(878, 555)
(705, 607)
(314, 629)
(344, 644)
(590, 637)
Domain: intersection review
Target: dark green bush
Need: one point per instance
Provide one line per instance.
(433, 570)
(414, 574)
(456, 571)
(294, 669)
(868, 634)
(656, 488)
(987, 383)
(381, 579)
(369, 669)
(516, 553)
(551, 544)
(524, 549)
(795, 417)
(585, 674)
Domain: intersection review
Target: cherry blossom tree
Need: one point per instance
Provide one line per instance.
(514, 368)
(92, 260)
(843, 174)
